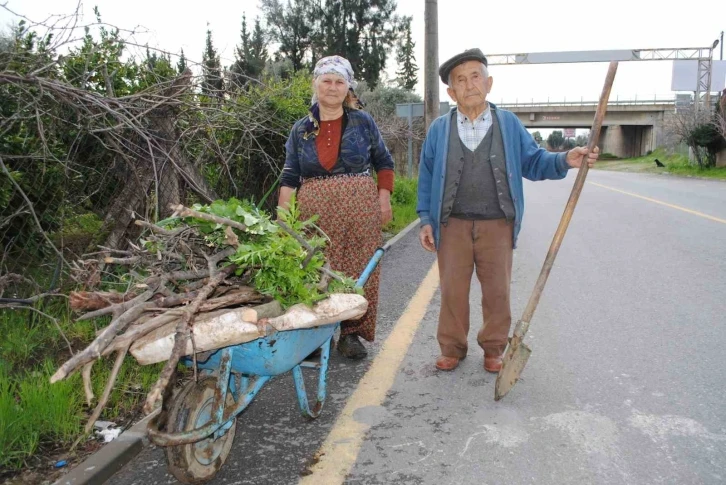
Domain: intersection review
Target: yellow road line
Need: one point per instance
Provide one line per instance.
(695, 213)
(340, 450)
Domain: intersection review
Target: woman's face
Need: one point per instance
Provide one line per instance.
(331, 90)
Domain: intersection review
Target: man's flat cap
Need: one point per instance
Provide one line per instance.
(467, 55)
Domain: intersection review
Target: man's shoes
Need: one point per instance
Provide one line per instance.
(350, 346)
(493, 363)
(447, 363)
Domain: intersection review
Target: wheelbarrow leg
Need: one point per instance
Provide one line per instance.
(322, 368)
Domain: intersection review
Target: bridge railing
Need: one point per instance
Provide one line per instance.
(635, 101)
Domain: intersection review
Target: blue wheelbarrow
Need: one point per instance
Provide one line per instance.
(201, 419)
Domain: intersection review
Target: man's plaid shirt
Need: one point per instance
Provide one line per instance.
(473, 132)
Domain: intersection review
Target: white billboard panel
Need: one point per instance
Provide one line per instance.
(685, 76)
(575, 56)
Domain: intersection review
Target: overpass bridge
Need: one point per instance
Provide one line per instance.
(630, 129)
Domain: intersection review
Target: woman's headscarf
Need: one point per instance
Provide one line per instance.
(335, 65)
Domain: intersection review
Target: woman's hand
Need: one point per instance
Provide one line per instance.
(283, 201)
(384, 197)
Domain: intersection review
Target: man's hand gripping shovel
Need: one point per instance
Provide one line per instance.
(517, 354)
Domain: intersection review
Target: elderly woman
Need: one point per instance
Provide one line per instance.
(330, 157)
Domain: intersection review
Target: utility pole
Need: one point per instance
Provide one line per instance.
(431, 62)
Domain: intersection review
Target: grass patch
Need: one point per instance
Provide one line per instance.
(37, 417)
(403, 204)
(33, 411)
(676, 164)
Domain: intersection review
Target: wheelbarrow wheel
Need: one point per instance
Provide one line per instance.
(192, 408)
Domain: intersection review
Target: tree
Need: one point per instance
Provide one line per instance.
(407, 74)
(367, 36)
(182, 64)
(98, 65)
(240, 69)
(699, 131)
(258, 50)
(721, 114)
(537, 137)
(582, 140)
(381, 104)
(362, 31)
(290, 26)
(250, 55)
(212, 82)
(555, 140)
(158, 68)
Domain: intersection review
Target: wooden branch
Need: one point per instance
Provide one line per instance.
(87, 387)
(10, 278)
(138, 331)
(230, 237)
(35, 298)
(122, 261)
(327, 271)
(93, 351)
(244, 295)
(195, 285)
(188, 275)
(186, 212)
(121, 307)
(107, 390)
(160, 230)
(297, 237)
(105, 250)
(218, 257)
(181, 337)
(95, 300)
(325, 278)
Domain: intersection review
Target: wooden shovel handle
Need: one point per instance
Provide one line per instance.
(574, 196)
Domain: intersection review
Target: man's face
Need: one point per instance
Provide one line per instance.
(469, 86)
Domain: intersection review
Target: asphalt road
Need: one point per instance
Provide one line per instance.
(626, 383)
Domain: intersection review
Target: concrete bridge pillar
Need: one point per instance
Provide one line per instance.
(611, 140)
(627, 141)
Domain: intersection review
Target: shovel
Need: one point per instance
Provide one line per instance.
(517, 354)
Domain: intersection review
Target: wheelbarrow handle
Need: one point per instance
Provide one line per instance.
(370, 268)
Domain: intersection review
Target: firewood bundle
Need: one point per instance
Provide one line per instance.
(202, 259)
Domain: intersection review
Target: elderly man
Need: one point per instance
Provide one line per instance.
(471, 201)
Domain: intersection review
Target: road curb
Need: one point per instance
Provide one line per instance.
(103, 464)
(401, 234)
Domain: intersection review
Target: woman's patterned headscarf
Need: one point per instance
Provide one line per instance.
(335, 65)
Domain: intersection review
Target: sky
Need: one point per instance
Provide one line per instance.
(500, 27)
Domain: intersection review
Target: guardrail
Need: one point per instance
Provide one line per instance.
(583, 102)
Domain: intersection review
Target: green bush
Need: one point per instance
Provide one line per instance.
(403, 204)
(404, 192)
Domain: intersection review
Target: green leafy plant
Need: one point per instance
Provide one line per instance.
(278, 263)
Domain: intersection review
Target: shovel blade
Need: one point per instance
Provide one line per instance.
(512, 366)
